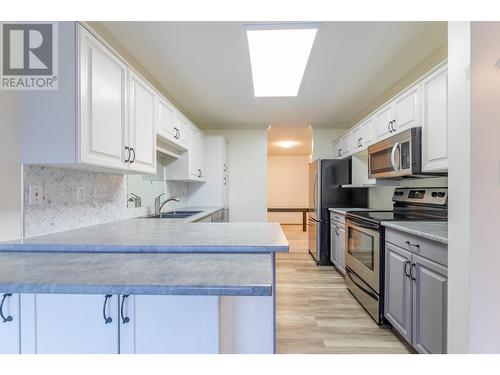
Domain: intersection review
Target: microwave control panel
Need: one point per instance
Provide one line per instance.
(405, 155)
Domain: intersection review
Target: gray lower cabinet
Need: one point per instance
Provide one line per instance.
(430, 294)
(415, 300)
(398, 290)
(9, 323)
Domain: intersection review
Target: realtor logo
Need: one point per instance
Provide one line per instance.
(28, 56)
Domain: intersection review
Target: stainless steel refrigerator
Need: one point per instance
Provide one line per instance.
(325, 191)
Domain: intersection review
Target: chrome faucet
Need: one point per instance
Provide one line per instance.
(159, 205)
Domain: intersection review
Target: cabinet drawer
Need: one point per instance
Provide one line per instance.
(335, 216)
(421, 246)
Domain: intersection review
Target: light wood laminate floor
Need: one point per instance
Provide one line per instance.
(315, 311)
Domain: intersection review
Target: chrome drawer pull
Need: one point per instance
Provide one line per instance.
(412, 244)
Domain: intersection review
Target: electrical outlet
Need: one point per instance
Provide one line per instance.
(35, 194)
(81, 194)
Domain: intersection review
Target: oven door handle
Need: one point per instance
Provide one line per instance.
(393, 156)
(369, 292)
(360, 225)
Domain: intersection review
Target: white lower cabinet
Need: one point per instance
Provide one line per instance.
(169, 325)
(9, 323)
(70, 324)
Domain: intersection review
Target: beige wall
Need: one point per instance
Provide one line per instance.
(287, 186)
(247, 151)
(10, 167)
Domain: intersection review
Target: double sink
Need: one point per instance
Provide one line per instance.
(173, 215)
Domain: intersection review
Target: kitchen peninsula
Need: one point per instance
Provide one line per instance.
(142, 286)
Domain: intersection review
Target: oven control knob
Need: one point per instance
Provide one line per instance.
(434, 194)
(441, 194)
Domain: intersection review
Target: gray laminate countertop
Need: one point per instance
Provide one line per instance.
(105, 273)
(432, 230)
(343, 210)
(160, 236)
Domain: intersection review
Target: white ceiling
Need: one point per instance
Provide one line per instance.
(302, 135)
(205, 66)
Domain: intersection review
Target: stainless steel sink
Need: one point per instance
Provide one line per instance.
(174, 215)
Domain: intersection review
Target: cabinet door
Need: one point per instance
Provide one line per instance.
(381, 122)
(170, 325)
(398, 289)
(183, 129)
(197, 151)
(9, 324)
(435, 122)
(167, 121)
(430, 294)
(341, 249)
(142, 130)
(333, 243)
(71, 324)
(103, 105)
(366, 132)
(407, 110)
(337, 146)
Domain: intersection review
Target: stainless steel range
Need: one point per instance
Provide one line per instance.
(365, 241)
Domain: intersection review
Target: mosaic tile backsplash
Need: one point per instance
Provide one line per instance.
(105, 199)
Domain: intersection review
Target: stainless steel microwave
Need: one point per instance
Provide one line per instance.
(398, 156)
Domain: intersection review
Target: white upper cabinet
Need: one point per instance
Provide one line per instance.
(197, 150)
(214, 192)
(142, 128)
(167, 121)
(383, 121)
(183, 131)
(407, 111)
(435, 122)
(361, 135)
(104, 116)
(103, 105)
(190, 165)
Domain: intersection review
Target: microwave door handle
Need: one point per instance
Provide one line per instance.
(393, 156)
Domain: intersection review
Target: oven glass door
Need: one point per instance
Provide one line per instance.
(363, 253)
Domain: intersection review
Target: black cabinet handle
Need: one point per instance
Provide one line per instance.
(107, 319)
(392, 125)
(416, 245)
(389, 126)
(133, 151)
(7, 318)
(128, 154)
(225, 180)
(199, 172)
(412, 268)
(125, 319)
(405, 271)
(225, 167)
(178, 134)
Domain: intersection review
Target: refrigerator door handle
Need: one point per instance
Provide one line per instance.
(315, 201)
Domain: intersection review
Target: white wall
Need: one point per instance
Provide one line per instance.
(484, 188)
(10, 169)
(287, 186)
(322, 141)
(247, 173)
(459, 182)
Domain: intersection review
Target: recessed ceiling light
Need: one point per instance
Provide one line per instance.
(278, 57)
(287, 144)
